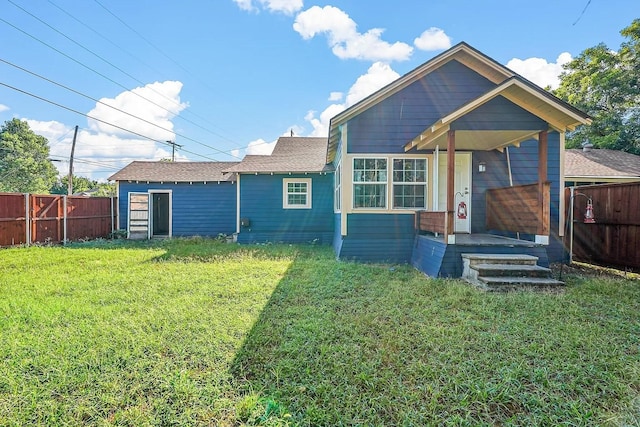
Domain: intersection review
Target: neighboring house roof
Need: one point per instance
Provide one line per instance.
(600, 163)
(509, 84)
(291, 154)
(174, 172)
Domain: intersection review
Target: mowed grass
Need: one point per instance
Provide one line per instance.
(196, 332)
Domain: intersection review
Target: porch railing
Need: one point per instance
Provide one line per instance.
(521, 208)
(432, 221)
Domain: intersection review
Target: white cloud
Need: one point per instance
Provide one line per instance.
(335, 96)
(539, 71)
(345, 41)
(433, 39)
(260, 147)
(288, 7)
(165, 105)
(377, 76)
(3, 108)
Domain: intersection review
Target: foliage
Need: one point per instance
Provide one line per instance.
(196, 332)
(82, 184)
(606, 84)
(24, 160)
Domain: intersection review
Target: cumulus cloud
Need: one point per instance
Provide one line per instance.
(433, 39)
(157, 103)
(343, 37)
(335, 96)
(376, 77)
(101, 150)
(288, 7)
(260, 147)
(539, 71)
(3, 108)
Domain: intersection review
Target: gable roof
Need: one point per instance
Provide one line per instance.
(174, 172)
(291, 154)
(557, 113)
(466, 55)
(601, 163)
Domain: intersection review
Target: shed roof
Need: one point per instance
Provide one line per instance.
(602, 163)
(291, 154)
(174, 172)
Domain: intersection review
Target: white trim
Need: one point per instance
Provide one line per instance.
(151, 193)
(238, 204)
(118, 205)
(285, 193)
(346, 172)
(129, 194)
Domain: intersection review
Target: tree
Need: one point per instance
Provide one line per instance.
(81, 183)
(24, 160)
(606, 85)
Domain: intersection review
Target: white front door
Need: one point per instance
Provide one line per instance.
(462, 189)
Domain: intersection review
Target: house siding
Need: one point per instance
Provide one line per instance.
(261, 204)
(499, 113)
(198, 209)
(378, 238)
(387, 126)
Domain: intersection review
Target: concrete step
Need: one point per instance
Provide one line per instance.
(474, 259)
(513, 270)
(505, 284)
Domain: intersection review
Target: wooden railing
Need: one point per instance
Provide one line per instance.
(521, 208)
(431, 221)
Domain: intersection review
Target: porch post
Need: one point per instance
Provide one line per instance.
(449, 236)
(543, 220)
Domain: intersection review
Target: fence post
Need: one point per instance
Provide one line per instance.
(112, 217)
(27, 228)
(64, 221)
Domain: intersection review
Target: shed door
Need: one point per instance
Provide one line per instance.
(462, 188)
(138, 222)
(161, 208)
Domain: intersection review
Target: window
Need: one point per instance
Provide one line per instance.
(369, 183)
(337, 188)
(409, 183)
(296, 193)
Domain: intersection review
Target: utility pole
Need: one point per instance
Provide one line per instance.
(173, 150)
(73, 148)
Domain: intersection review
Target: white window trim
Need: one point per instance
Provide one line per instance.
(285, 193)
(385, 183)
(337, 188)
(424, 184)
(348, 183)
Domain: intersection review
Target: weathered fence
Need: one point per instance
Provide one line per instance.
(614, 238)
(29, 218)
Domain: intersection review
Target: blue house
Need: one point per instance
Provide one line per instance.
(460, 155)
(165, 199)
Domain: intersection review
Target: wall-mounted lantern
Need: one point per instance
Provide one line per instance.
(482, 167)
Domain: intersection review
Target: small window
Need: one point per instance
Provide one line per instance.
(337, 189)
(369, 183)
(296, 193)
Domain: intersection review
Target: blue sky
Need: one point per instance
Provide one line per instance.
(224, 78)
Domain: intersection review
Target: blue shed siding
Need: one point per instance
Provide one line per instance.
(387, 126)
(378, 238)
(198, 209)
(261, 204)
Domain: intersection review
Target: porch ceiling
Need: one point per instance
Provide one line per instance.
(557, 114)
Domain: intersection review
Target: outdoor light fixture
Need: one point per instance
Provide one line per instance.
(482, 167)
(588, 213)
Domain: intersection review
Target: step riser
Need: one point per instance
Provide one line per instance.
(512, 273)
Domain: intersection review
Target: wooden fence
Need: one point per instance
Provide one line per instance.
(614, 238)
(521, 208)
(29, 218)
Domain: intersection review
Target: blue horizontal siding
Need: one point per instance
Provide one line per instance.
(198, 209)
(499, 114)
(378, 238)
(427, 255)
(387, 126)
(261, 204)
(337, 233)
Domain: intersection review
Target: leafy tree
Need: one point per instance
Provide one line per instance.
(81, 183)
(606, 85)
(24, 160)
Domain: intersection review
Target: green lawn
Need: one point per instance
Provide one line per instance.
(196, 332)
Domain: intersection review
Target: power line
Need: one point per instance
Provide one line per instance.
(582, 13)
(112, 107)
(97, 119)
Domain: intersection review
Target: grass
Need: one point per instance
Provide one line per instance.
(196, 332)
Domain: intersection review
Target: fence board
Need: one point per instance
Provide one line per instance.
(86, 218)
(614, 239)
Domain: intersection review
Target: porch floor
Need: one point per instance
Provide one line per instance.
(484, 240)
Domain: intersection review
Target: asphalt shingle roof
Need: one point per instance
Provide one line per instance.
(175, 172)
(291, 154)
(601, 162)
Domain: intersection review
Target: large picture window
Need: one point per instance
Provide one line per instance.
(369, 183)
(296, 193)
(409, 183)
